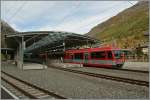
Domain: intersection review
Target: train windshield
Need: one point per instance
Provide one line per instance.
(118, 54)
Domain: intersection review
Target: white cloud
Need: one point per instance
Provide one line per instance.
(73, 16)
(77, 26)
(84, 25)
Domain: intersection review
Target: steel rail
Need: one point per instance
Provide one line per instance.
(31, 85)
(122, 69)
(140, 71)
(21, 90)
(120, 79)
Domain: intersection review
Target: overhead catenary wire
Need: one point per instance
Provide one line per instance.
(17, 11)
(66, 17)
(107, 9)
(10, 8)
(131, 3)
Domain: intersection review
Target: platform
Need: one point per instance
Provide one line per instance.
(6, 94)
(33, 66)
(144, 66)
(65, 65)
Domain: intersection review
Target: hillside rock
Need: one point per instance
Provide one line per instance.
(6, 29)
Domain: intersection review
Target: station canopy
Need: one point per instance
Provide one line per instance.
(58, 41)
(15, 38)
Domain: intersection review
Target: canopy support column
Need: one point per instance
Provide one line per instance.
(64, 45)
(20, 53)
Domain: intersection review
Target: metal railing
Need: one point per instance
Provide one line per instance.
(137, 59)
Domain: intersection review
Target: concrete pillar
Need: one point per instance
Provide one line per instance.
(20, 54)
(6, 55)
(64, 45)
(24, 45)
(19, 63)
(17, 57)
(87, 43)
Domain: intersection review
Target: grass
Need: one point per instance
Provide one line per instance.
(127, 28)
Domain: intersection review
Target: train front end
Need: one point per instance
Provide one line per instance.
(118, 58)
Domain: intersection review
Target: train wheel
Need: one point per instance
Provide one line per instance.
(85, 65)
(116, 66)
(120, 65)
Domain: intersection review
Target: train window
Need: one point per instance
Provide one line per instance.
(109, 53)
(78, 55)
(66, 55)
(118, 54)
(98, 54)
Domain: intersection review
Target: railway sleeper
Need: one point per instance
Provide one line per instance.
(33, 91)
(43, 96)
(38, 93)
(28, 88)
(45, 92)
(131, 81)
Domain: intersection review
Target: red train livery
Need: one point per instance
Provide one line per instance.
(98, 57)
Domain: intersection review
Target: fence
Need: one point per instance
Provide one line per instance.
(134, 58)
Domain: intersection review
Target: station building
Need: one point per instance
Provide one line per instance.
(29, 45)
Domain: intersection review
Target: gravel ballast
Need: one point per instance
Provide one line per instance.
(73, 85)
(112, 72)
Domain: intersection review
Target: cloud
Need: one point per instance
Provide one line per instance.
(73, 16)
(79, 26)
(84, 25)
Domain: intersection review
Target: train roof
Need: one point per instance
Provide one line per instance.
(93, 49)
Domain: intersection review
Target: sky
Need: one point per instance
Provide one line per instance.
(70, 16)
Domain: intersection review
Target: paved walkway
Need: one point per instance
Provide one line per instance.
(34, 66)
(144, 66)
(5, 95)
(137, 65)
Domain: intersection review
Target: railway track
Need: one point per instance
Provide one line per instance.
(120, 79)
(29, 90)
(130, 70)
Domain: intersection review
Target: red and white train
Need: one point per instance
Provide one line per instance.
(99, 57)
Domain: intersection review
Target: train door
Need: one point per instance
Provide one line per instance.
(86, 55)
(71, 56)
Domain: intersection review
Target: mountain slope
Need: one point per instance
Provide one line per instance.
(6, 29)
(126, 28)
